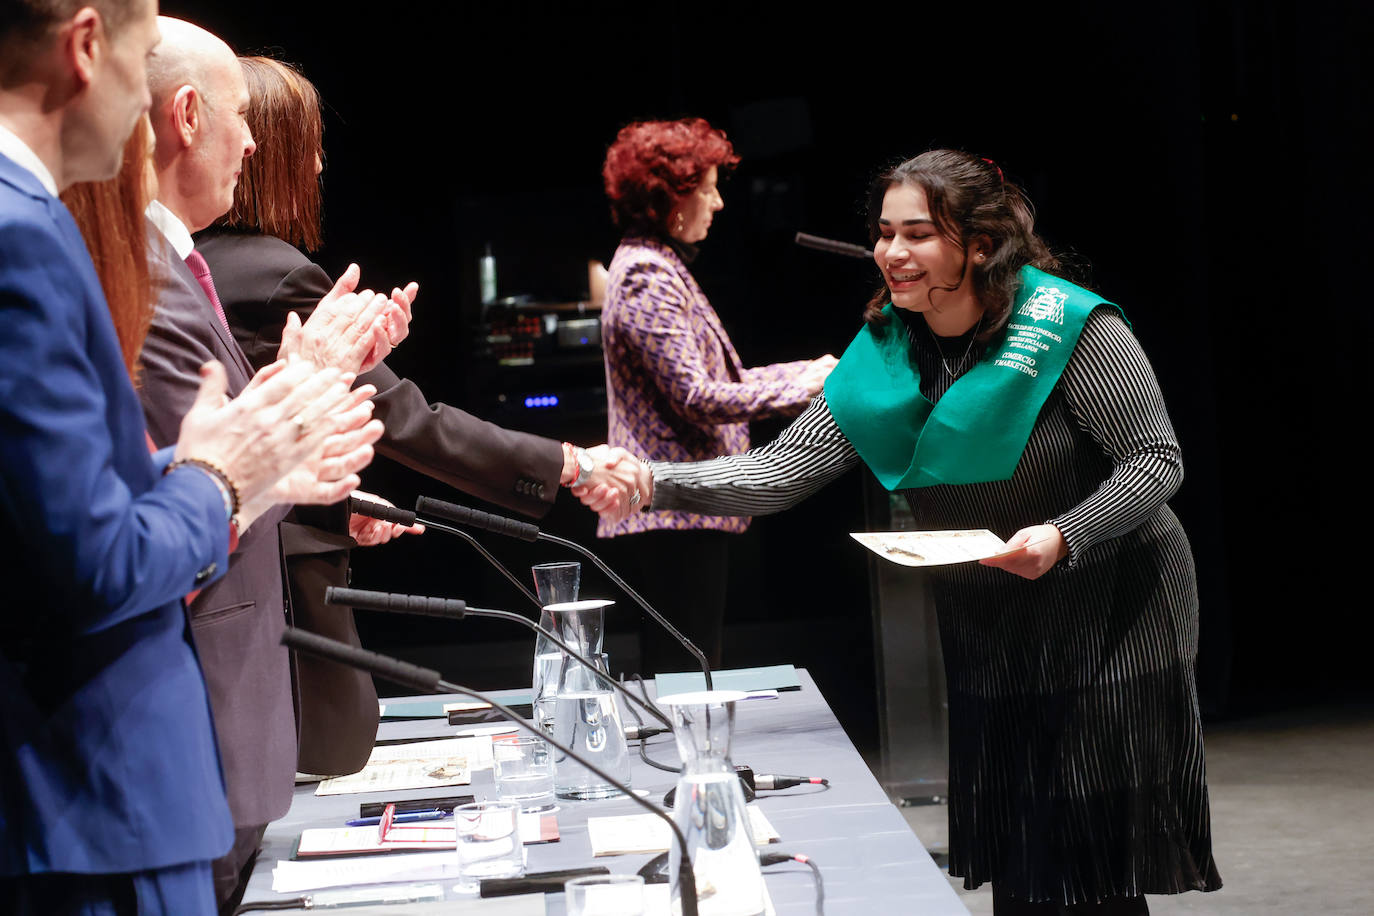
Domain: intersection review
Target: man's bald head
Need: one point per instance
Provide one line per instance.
(200, 103)
(187, 56)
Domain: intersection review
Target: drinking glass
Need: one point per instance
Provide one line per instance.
(605, 895)
(488, 843)
(523, 769)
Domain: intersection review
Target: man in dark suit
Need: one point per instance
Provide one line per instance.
(201, 141)
(111, 796)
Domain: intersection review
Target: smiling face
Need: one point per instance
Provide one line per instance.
(924, 270)
(690, 220)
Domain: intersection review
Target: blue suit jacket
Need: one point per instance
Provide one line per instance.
(107, 754)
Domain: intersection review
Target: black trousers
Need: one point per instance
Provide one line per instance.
(232, 869)
(178, 890)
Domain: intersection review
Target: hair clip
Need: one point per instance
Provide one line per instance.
(1000, 179)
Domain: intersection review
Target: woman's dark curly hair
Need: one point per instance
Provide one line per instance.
(969, 198)
(652, 165)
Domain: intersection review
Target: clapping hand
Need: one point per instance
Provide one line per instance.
(352, 331)
(1044, 547)
(331, 473)
(397, 325)
(288, 416)
(392, 328)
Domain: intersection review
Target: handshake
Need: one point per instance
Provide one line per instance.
(618, 485)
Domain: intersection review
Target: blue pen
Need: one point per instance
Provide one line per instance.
(403, 818)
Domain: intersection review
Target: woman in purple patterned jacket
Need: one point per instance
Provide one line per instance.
(676, 388)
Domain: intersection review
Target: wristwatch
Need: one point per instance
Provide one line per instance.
(585, 466)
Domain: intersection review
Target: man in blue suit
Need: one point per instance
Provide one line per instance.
(111, 796)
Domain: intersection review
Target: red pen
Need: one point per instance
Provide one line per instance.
(385, 823)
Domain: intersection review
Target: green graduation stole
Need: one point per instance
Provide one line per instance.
(980, 427)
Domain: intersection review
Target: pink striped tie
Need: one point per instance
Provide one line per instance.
(196, 261)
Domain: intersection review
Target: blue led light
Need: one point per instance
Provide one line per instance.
(541, 400)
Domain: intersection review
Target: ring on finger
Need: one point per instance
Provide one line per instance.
(302, 426)
(635, 499)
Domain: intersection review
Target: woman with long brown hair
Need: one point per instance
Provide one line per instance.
(993, 393)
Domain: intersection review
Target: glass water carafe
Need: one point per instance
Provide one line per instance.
(585, 715)
(554, 583)
(708, 807)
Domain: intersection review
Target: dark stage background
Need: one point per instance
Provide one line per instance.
(1207, 162)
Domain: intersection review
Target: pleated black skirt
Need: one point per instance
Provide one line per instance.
(1076, 759)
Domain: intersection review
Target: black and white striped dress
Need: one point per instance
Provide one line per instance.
(1076, 765)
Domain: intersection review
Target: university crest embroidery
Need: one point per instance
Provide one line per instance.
(1045, 304)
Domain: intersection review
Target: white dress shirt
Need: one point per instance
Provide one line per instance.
(172, 227)
(18, 151)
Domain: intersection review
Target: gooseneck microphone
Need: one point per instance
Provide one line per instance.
(410, 604)
(449, 608)
(437, 512)
(453, 609)
(428, 680)
(848, 249)
(378, 511)
(407, 517)
(393, 669)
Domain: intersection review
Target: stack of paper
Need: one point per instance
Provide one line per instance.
(299, 877)
(418, 765)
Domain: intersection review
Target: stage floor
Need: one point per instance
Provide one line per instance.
(1292, 817)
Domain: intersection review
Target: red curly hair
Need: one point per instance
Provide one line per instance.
(652, 165)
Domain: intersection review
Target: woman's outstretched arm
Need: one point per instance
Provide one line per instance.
(810, 453)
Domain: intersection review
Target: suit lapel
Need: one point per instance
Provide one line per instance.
(230, 347)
